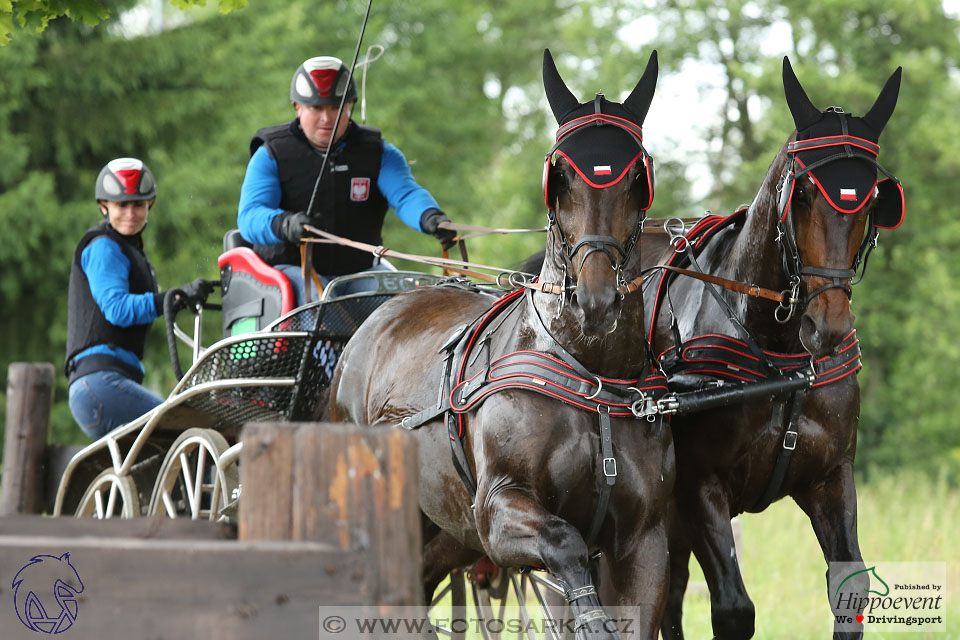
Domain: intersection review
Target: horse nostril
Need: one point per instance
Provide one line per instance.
(809, 335)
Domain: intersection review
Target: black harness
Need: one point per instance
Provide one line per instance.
(719, 359)
(557, 375)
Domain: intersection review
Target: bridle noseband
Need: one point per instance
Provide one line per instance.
(617, 253)
(852, 148)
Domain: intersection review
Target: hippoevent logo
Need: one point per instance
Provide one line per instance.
(45, 593)
(890, 596)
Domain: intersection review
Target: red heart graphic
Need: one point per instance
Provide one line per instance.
(859, 618)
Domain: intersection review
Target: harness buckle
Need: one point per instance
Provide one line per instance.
(610, 467)
(790, 440)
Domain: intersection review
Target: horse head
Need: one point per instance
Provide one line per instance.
(830, 205)
(597, 193)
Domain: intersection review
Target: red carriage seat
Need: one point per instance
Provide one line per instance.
(254, 294)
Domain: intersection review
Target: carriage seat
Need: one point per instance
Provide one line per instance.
(254, 294)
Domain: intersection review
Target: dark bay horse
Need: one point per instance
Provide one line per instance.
(811, 225)
(539, 387)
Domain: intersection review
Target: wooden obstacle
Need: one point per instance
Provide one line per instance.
(328, 518)
(29, 398)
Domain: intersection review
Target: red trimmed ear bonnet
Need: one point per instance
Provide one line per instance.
(600, 139)
(838, 152)
(125, 179)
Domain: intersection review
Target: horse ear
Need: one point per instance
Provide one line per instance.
(561, 100)
(804, 112)
(642, 95)
(882, 109)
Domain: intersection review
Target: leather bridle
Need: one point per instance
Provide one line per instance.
(793, 266)
(618, 254)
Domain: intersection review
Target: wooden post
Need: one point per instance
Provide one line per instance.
(354, 488)
(29, 398)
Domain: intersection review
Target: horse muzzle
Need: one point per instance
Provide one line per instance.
(596, 307)
(826, 322)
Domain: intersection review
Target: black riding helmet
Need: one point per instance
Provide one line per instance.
(125, 179)
(322, 80)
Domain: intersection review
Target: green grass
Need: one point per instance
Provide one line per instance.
(901, 518)
(905, 517)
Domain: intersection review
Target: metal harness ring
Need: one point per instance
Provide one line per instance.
(597, 392)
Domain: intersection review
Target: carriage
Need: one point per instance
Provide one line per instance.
(273, 364)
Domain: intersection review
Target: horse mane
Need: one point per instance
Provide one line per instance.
(766, 198)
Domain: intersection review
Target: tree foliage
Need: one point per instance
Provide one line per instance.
(843, 53)
(458, 92)
(35, 15)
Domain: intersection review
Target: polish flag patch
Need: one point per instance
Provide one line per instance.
(848, 194)
(601, 170)
(359, 189)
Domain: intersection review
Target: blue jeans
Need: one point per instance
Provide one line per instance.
(295, 274)
(103, 400)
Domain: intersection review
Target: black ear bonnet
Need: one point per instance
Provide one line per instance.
(600, 139)
(838, 152)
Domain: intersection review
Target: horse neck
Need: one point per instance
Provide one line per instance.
(757, 258)
(621, 353)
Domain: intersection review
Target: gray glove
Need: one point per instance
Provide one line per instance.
(289, 225)
(196, 292)
(430, 221)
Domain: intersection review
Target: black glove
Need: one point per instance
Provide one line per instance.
(289, 225)
(195, 292)
(429, 223)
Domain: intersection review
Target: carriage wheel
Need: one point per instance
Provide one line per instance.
(442, 607)
(494, 592)
(110, 496)
(192, 482)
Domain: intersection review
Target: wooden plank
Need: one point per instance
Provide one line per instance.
(351, 487)
(175, 589)
(156, 527)
(29, 398)
(266, 475)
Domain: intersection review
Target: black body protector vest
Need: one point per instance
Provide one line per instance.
(86, 324)
(348, 202)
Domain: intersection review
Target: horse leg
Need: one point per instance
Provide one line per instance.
(638, 578)
(707, 519)
(672, 626)
(442, 554)
(516, 531)
(831, 505)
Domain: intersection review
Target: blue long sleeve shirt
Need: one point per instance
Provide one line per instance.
(260, 194)
(108, 272)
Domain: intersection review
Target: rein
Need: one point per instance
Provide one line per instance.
(504, 278)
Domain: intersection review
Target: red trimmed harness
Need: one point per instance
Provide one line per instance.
(722, 358)
(557, 375)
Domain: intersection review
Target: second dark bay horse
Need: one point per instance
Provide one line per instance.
(531, 450)
(812, 224)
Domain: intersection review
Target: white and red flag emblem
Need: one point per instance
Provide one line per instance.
(359, 189)
(848, 194)
(601, 170)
